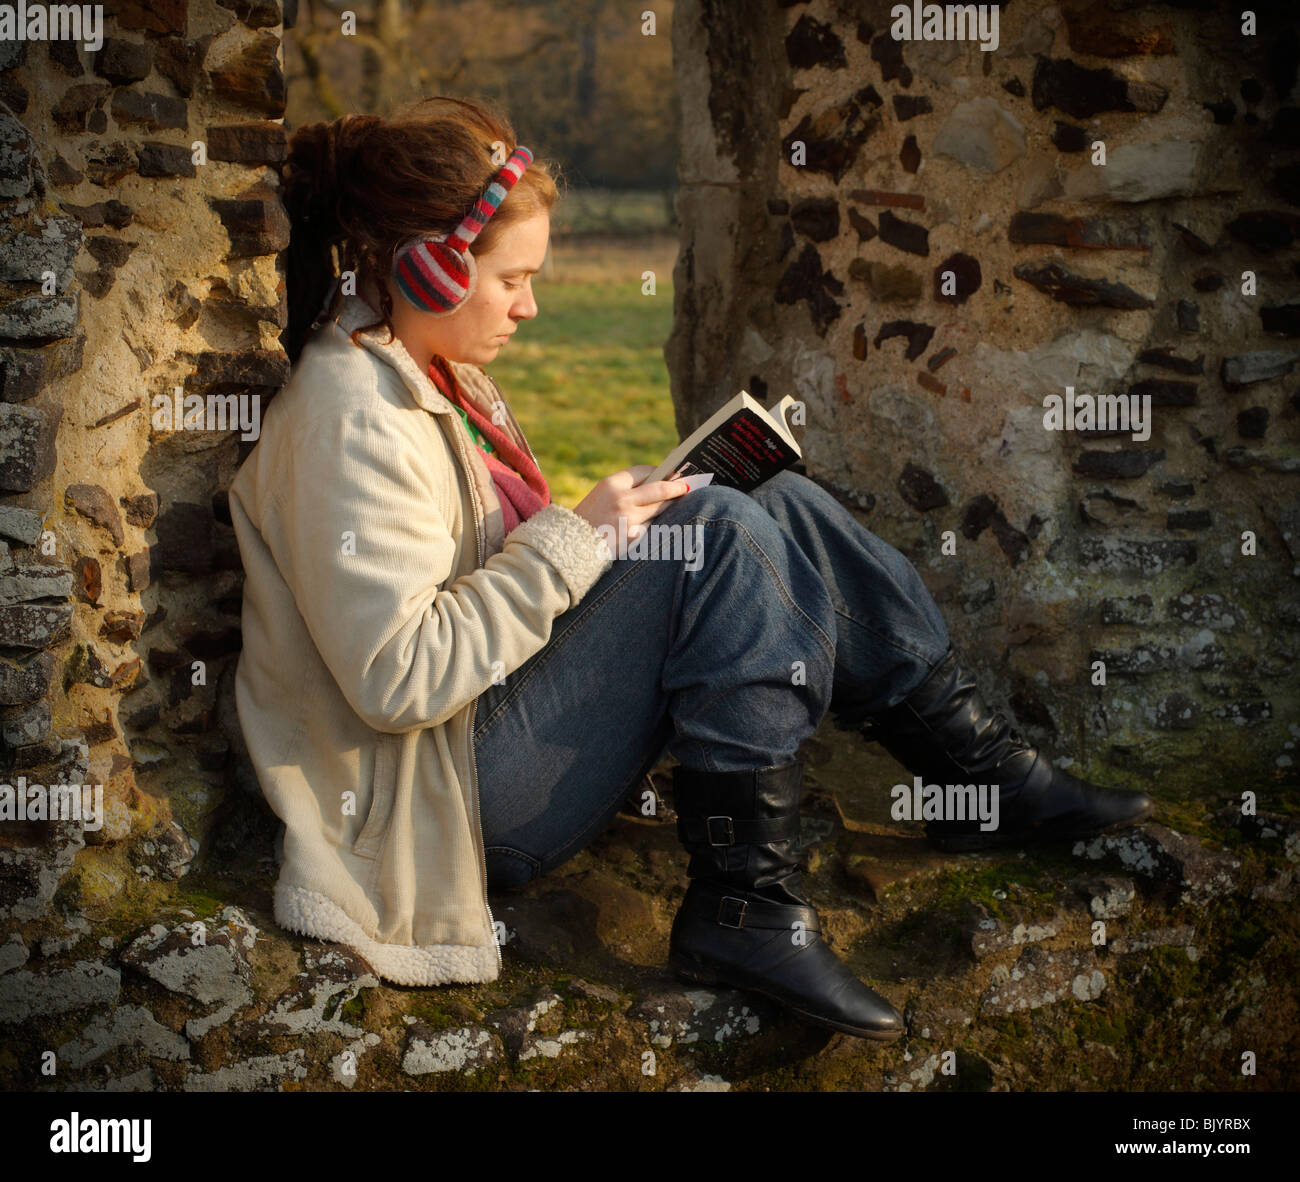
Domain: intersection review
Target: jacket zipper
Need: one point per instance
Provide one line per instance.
(473, 767)
(473, 711)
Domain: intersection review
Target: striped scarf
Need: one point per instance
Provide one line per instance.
(521, 488)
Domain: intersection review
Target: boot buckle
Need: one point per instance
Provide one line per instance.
(731, 831)
(723, 909)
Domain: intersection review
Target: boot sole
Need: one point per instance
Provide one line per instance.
(974, 842)
(694, 973)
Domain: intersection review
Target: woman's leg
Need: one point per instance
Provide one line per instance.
(721, 652)
(889, 632)
(724, 651)
(895, 671)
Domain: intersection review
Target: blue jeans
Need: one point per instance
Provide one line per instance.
(726, 657)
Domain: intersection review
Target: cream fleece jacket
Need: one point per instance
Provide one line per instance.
(373, 618)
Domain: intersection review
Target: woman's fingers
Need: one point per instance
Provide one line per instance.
(659, 490)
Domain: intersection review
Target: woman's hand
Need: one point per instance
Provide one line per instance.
(619, 495)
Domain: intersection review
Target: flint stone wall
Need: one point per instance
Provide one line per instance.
(913, 238)
(139, 241)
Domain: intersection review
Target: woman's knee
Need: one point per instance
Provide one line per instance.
(721, 502)
(795, 491)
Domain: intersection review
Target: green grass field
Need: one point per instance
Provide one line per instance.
(586, 377)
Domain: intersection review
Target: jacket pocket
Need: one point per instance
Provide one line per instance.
(383, 789)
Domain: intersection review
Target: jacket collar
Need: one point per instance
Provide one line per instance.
(357, 311)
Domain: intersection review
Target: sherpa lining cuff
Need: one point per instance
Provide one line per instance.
(310, 913)
(572, 544)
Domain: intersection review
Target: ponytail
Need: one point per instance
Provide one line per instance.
(318, 155)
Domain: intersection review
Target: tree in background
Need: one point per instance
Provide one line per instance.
(579, 78)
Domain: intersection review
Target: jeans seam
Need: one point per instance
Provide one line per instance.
(885, 638)
(827, 643)
(846, 610)
(511, 852)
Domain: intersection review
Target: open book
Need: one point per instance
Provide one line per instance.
(741, 445)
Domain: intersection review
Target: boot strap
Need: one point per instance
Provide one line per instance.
(735, 911)
(725, 830)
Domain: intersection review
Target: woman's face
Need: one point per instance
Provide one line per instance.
(501, 298)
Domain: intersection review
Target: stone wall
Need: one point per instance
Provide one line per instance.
(919, 239)
(139, 233)
(140, 230)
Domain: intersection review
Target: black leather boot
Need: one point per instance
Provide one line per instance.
(945, 732)
(744, 921)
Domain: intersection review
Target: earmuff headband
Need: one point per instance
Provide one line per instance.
(437, 274)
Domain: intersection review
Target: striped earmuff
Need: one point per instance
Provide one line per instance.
(437, 274)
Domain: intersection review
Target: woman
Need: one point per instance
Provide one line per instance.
(449, 684)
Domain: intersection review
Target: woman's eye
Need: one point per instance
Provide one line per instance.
(512, 286)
